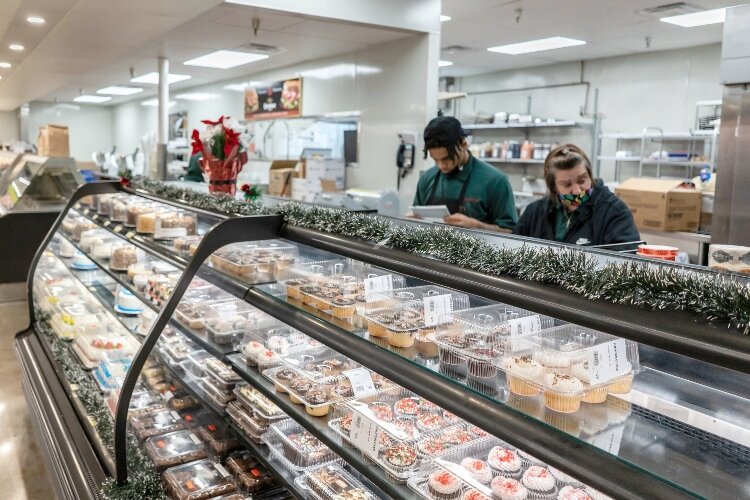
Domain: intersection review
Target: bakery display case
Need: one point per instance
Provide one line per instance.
(244, 356)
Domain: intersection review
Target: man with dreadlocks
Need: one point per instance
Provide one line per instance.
(477, 195)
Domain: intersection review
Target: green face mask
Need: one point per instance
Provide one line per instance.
(572, 201)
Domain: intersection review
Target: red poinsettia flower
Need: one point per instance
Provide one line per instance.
(197, 144)
(231, 140)
(245, 188)
(124, 181)
(213, 124)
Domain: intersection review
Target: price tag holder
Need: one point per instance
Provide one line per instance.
(129, 235)
(608, 361)
(361, 381)
(167, 396)
(194, 439)
(378, 284)
(221, 470)
(117, 228)
(436, 307)
(107, 223)
(364, 432)
(525, 325)
(609, 440)
(175, 415)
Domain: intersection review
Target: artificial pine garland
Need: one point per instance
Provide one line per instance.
(717, 297)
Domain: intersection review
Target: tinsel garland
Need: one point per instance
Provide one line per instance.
(719, 298)
(143, 481)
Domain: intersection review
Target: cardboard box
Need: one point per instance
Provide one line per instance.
(326, 169)
(53, 140)
(659, 204)
(280, 177)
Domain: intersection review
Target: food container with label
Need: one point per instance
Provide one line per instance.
(145, 221)
(229, 319)
(295, 447)
(176, 353)
(173, 449)
(218, 439)
(198, 480)
(399, 431)
(134, 209)
(123, 255)
(252, 426)
(90, 236)
(110, 374)
(196, 363)
(261, 260)
(219, 398)
(332, 482)
(78, 226)
(270, 334)
(141, 402)
(569, 364)
(221, 374)
(104, 204)
(92, 346)
(401, 314)
(174, 225)
(120, 209)
(156, 423)
(182, 244)
(251, 476)
(252, 399)
(69, 315)
(193, 315)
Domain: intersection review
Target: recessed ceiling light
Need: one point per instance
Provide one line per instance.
(16, 46)
(339, 70)
(117, 90)
(153, 78)
(555, 42)
(5, 65)
(155, 102)
(444, 18)
(35, 20)
(225, 59)
(91, 98)
(442, 64)
(703, 18)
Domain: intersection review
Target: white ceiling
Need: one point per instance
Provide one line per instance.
(89, 44)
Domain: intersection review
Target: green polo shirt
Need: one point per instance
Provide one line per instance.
(489, 196)
(561, 221)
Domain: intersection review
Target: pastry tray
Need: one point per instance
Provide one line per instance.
(218, 397)
(174, 448)
(253, 400)
(340, 482)
(198, 480)
(222, 376)
(244, 420)
(281, 439)
(161, 421)
(326, 387)
(269, 257)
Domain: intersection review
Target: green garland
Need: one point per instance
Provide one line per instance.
(143, 481)
(716, 297)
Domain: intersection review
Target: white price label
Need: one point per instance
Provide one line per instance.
(118, 228)
(364, 432)
(194, 439)
(608, 361)
(129, 235)
(378, 284)
(361, 381)
(175, 415)
(436, 308)
(609, 440)
(167, 396)
(221, 470)
(525, 325)
(107, 224)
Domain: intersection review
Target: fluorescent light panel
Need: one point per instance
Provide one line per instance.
(35, 20)
(92, 98)
(196, 96)
(703, 18)
(442, 64)
(153, 78)
(5, 65)
(225, 59)
(117, 90)
(16, 46)
(444, 18)
(555, 42)
(155, 102)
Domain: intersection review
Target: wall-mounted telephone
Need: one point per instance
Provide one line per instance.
(405, 154)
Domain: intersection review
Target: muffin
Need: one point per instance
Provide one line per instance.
(505, 462)
(298, 387)
(407, 407)
(562, 393)
(539, 481)
(443, 485)
(519, 371)
(505, 488)
(427, 422)
(590, 395)
(478, 469)
(430, 446)
(382, 411)
(315, 401)
(252, 349)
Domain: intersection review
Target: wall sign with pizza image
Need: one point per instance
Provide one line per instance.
(274, 100)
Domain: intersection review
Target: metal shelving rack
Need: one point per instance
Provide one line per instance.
(631, 473)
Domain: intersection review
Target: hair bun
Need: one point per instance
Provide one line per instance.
(565, 151)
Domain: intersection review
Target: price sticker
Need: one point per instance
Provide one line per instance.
(194, 439)
(364, 431)
(361, 381)
(609, 440)
(117, 228)
(378, 284)
(107, 223)
(175, 415)
(608, 361)
(221, 470)
(129, 235)
(525, 325)
(436, 307)
(167, 396)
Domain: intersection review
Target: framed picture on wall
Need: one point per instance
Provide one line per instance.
(274, 100)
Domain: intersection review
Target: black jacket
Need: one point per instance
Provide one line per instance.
(603, 219)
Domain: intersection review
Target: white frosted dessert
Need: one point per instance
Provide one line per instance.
(128, 302)
(524, 367)
(552, 359)
(538, 479)
(102, 250)
(67, 250)
(565, 384)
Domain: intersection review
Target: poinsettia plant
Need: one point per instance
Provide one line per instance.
(224, 147)
(252, 191)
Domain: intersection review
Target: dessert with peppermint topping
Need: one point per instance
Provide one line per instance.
(443, 485)
(427, 422)
(401, 457)
(478, 469)
(407, 407)
(505, 461)
(508, 489)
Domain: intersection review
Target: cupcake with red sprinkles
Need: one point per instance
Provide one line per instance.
(443, 485)
(505, 488)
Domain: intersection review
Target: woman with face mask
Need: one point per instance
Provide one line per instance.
(579, 209)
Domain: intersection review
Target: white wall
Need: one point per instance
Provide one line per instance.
(90, 127)
(650, 89)
(8, 126)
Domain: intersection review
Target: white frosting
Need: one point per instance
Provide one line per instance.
(127, 300)
(571, 493)
(508, 489)
(524, 367)
(79, 259)
(581, 371)
(102, 250)
(552, 359)
(67, 249)
(503, 459)
(538, 479)
(563, 383)
(452, 484)
(278, 344)
(478, 469)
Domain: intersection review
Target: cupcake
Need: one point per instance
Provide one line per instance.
(267, 359)
(443, 485)
(407, 407)
(430, 446)
(622, 385)
(553, 361)
(590, 395)
(450, 350)
(283, 377)
(425, 405)
(505, 488)
(427, 422)
(345, 423)
(252, 349)
(539, 481)
(562, 392)
(278, 344)
(403, 334)
(473, 494)
(407, 426)
(450, 417)
(478, 469)
(400, 457)
(315, 401)
(298, 387)
(480, 364)
(480, 433)
(343, 307)
(382, 411)
(458, 437)
(572, 493)
(505, 461)
(425, 347)
(519, 371)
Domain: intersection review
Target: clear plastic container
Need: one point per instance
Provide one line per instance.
(141, 403)
(270, 334)
(219, 440)
(196, 363)
(220, 398)
(267, 258)
(316, 394)
(104, 204)
(253, 400)
(90, 236)
(193, 315)
(123, 255)
(252, 426)
(198, 481)
(251, 476)
(173, 449)
(174, 225)
(298, 448)
(145, 222)
(178, 352)
(120, 209)
(134, 210)
(156, 423)
(569, 364)
(110, 374)
(327, 482)
(182, 244)
(69, 316)
(221, 374)
(400, 315)
(80, 225)
(229, 319)
(92, 347)
(334, 286)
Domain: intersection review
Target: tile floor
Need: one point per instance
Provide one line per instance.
(23, 471)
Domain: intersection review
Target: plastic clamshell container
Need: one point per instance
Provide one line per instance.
(104, 204)
(124, 255)
(335, 286)
(174, 448)
(251, 426)
(174, 225)
(218, 438)
(319, 394)
(193, 315)
(142, 402)
(221, 374)
(90, 236)
(253, 400)
(120, 209)
(198, 480)
(229, 319)
(145, 222)
(320, 364)
(277, 337)
(401, 425)
(80, 225)
(328, 481)
(251, 476)
(220, 398)
(269, 257)
(196, 363)
(401, 314)
(110, 374)
(161, 421)
(92, 347)
(64, 322)
(178, 352)
(182, 243)
(568, 364)
(297, 448)
(135, 209)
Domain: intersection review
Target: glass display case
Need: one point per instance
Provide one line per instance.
(38, 183)
(287, 361)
